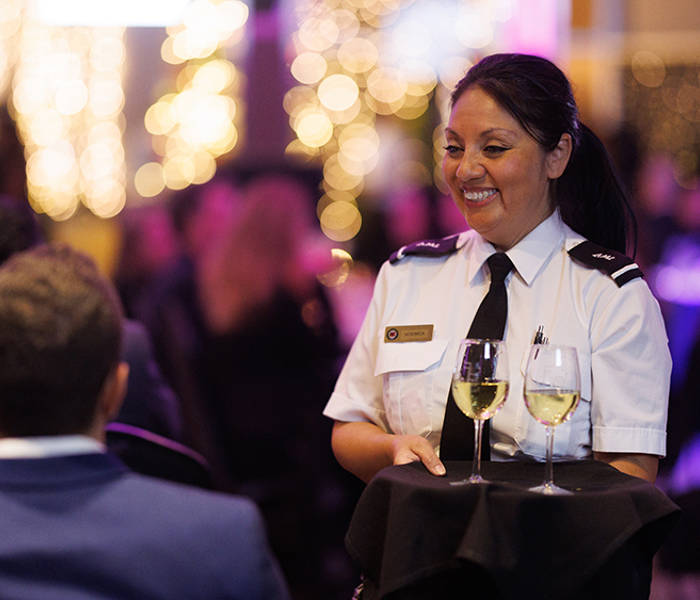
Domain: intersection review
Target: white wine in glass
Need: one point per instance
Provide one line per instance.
(552, 393)
(479, 389)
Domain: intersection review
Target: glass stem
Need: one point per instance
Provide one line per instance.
(476, 465)
(549, 473)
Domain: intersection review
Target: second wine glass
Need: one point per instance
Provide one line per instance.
(479, 388)
(552, 393)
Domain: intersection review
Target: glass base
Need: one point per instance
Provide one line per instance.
(549, 489)
(472, 479)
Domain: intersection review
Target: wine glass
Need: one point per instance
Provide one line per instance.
(552, 391)
(479, 388)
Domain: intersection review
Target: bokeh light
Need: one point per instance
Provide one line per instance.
(67, 99)
(309, 67)
(361, 60)
(338, 92)
(339, 269)
(200, 122)
(648, 68)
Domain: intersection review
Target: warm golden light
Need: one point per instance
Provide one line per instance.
(338, 92)
(67, 100)
(309, 67)
(314, 128)
(200, 122)
(386, 85)
(106, 97)
(71, 97)
(178, 172)
(46, 128)
(337, 274)
(318, 34)
(358, 55)
(160, 118)
(337, 177)
(149, 180)
(341, 221)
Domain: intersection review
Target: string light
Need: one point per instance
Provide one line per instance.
(362, 60)
(67, 101)
(201, 121)
(11, 14)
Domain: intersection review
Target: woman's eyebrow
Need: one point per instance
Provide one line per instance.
(485, 133)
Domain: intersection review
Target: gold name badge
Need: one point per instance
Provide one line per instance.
(408, 333)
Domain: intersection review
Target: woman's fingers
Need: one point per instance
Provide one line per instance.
(411, 448)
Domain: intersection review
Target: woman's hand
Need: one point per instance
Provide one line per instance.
(364, 449)
(411, 448)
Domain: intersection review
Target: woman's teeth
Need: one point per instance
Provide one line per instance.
(478, 196)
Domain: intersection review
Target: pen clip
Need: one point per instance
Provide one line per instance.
(539, 336)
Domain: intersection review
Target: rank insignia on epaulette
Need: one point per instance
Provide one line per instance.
(619, 267)
(438, 247)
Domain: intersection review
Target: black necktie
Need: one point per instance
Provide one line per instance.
(457, 442)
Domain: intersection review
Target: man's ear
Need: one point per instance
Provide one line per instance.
(114, 391)
(557, 159)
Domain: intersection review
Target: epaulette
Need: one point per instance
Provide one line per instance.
(620, 267)
(431, 248)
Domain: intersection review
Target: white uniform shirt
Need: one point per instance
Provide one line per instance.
(618, 332)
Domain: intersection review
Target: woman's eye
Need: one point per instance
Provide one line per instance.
(494, 150)
(452, 149)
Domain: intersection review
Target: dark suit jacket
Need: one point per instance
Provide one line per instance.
(84, 527)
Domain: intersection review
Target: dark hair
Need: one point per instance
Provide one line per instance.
(19, 227)
(589, 193)
(60, 337)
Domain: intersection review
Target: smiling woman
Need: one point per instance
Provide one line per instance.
(498, 174)
(536, 186)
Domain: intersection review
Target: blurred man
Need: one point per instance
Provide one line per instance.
(77, 523)
(150, 403)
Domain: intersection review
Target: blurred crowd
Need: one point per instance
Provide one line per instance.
(225, 277)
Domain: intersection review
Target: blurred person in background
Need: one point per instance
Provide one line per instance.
(243, 325)
(269, 364)
(171, 308)
(149, 246)
(78, 523)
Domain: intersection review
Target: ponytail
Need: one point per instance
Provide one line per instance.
(592, 199)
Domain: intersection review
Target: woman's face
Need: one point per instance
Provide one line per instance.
(498, 175)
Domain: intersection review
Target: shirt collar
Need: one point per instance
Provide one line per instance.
(528, 255)
(48, 446)
(534, 250)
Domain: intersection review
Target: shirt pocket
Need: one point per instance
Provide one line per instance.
(411, 382)
(573, 438)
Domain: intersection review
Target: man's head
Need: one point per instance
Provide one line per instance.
(60, 337)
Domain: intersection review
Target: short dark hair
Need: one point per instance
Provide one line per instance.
(589, 194)
(60, 337)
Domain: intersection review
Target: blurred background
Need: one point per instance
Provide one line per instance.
(241, 169)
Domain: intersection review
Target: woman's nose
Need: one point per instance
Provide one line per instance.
(470, 167)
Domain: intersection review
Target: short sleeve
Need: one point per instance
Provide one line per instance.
(358, 391)
(631, 369)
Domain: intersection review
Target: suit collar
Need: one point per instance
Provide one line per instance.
(60, 470)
